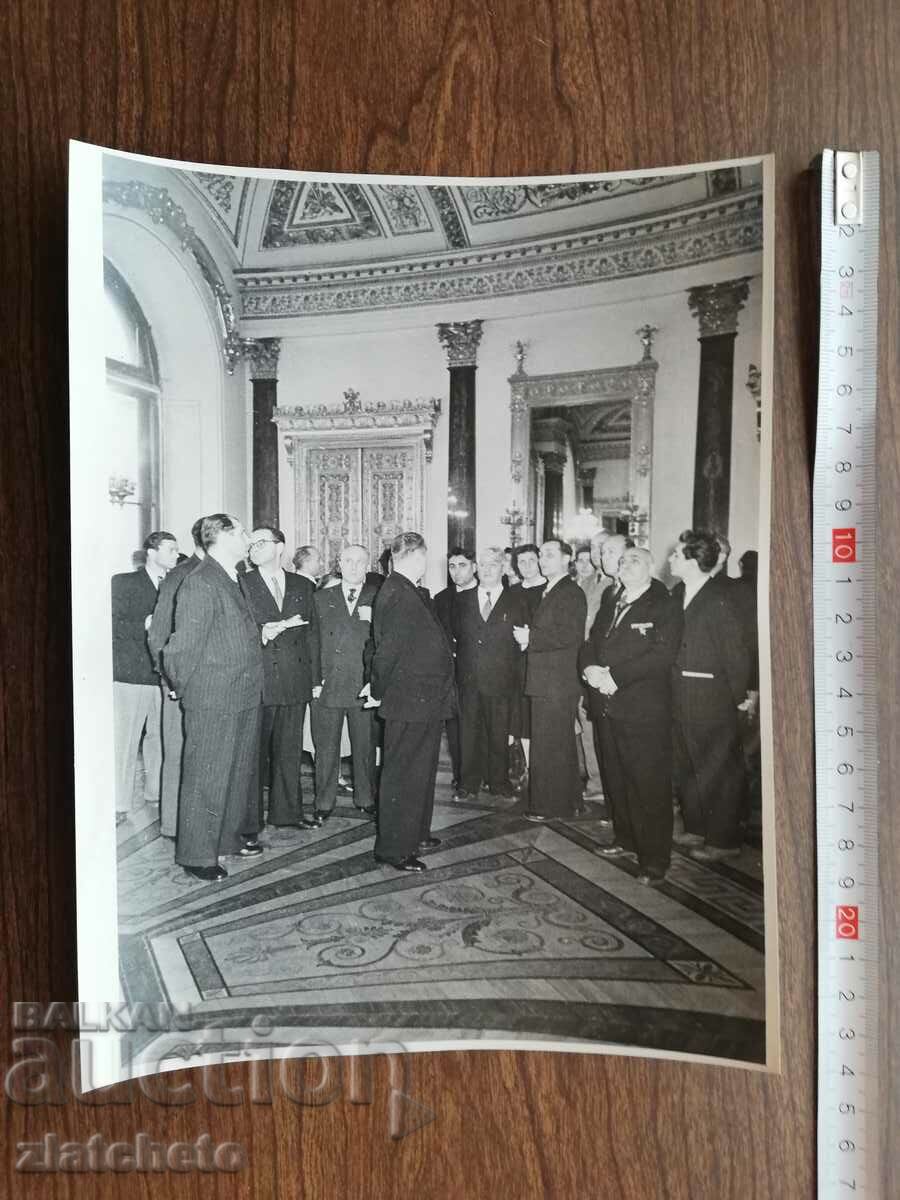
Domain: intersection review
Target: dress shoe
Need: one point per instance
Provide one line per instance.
(344, 788)
(647, 880)
(207, 874)
(405, 864)
(688, 839)
(250, 849)
(321, 817)
(592, 794)
(713, 854)
(462, 794)
(503, 790)
(312, 822)
(613, 851)
(429, 843)
(537, 818)
(369, 811)
(581, 811)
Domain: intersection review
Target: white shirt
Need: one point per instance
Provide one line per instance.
(467, 587)
(493, 593)
(691, 589)
(270, 578)
(157, 576)
(347, 588)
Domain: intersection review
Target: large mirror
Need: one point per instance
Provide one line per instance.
(582, 450)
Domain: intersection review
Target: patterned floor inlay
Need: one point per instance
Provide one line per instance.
(516, 931)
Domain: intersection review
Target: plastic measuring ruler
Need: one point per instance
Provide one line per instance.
(846, 666)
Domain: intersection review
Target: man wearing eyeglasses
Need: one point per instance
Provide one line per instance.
(282, 606)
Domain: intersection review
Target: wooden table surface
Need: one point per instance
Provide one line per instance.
(501, 87)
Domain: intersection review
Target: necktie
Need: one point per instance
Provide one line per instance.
(486, 607)
(277, 592)
(351, 596)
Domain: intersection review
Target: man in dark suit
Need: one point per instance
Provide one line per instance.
(627, 664)
(136, 699)
(340, 658)
(214, 661)
(461, 569)
(161, 626)
(488, 674)
(282, 606)
(553, 640)
(412, 679)
(710, 680)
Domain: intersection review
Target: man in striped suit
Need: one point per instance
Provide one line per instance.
(214, 662)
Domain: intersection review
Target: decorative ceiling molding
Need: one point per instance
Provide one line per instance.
(402, 208)
(448, 214)
(225, 197)
(162, 210)
(502, 202)
(699, 234)
(310, 213)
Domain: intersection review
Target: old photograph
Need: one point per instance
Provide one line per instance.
(420, 608)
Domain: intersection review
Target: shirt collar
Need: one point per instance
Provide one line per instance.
(551, 583)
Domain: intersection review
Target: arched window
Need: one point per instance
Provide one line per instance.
(132, 434)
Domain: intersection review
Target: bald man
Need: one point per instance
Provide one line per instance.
(627, 665)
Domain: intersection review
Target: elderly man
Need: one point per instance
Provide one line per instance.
(488, 675)
(553, 639)
(308, 563)
(340, 651)
(412, 679)
(628, 665)
(282, 606)
(136, 695)
(710, 680)
(214, 661)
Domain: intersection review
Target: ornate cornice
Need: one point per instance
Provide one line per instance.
(716, 305)
(701, 233)
(606, 384)
(461, 340)
(162, 210)
(420, 414)
(262, 354)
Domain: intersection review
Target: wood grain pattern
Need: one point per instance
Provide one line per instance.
(484, 88)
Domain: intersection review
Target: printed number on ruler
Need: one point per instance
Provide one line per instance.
(845, 667)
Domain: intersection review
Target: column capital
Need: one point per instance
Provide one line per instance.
(460, 339)
(716, 305)
(554, 462)
(262, 354)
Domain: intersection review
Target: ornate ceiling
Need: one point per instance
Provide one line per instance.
(281, 224)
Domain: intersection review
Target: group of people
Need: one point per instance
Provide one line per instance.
(583, 660)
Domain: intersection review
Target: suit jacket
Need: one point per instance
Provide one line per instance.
(214, 656)
(164, 614)
(639, 652)
(714, 653)
(133, 599)
(412, 666)
(557, 633)
(288, 674)
(488, 657)
(341, 644)
(741, 595)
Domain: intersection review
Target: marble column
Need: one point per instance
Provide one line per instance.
(554, 464)
(262, 354)
(716, 307)
(461, 339)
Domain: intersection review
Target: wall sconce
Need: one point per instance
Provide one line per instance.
(120, 488)
(514, 519)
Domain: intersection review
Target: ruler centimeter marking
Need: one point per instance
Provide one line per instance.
(846, 657)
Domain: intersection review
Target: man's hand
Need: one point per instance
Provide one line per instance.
(366, 694)
(294, 622)
(317, 691)
(271, 630)
(521, 634)
(593, 676)
(173, 695)
(147, 620)
(750, 706)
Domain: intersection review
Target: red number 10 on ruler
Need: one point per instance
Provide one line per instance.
(843, 545)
